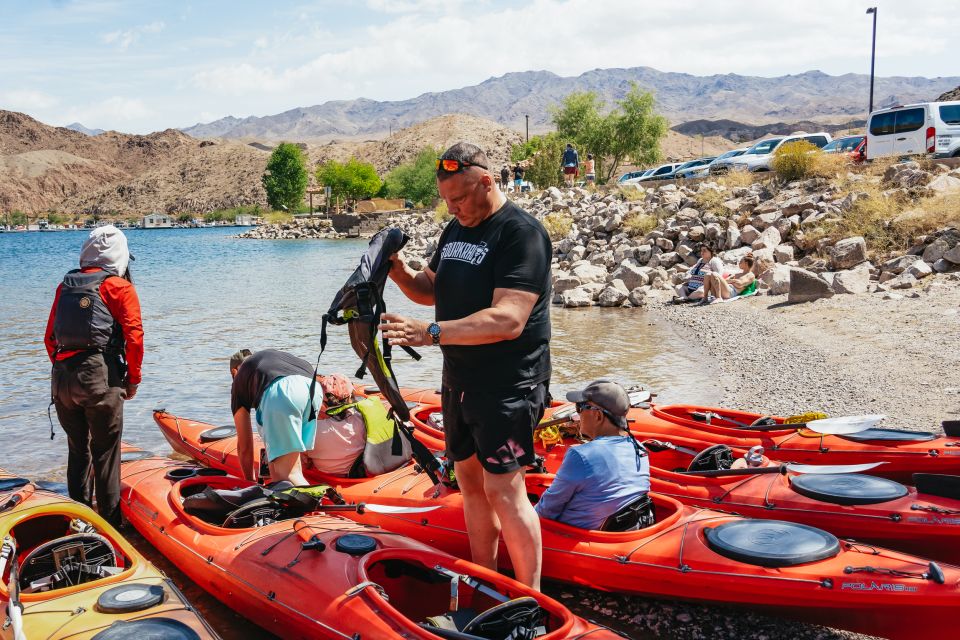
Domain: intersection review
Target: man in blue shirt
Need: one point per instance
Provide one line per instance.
(599, 478)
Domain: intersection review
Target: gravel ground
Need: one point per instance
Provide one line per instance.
(842, 355)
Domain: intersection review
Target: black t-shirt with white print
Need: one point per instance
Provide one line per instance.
(508, 250)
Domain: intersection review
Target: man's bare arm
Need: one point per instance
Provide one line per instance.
(416, 285)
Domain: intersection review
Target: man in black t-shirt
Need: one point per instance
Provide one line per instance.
(489, 280)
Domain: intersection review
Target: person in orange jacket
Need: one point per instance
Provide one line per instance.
(94, 338)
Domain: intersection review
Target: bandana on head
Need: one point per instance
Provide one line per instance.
(337, 389)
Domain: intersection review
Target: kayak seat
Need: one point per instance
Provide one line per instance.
(518, 618)
(937, 484)
(236, 506)
(847, 488)
(771, 543)
(638, 514)
(715, 458)
(890, 435)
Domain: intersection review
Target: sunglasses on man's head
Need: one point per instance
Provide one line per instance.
(451, 165)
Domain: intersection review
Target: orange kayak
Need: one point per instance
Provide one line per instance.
(849, 505)
(903, 452)
(785, 568)
(78, 578)
(324, 576)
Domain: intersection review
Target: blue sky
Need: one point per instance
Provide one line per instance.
(140, 66)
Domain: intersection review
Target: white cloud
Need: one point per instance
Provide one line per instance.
(126, 37)
(26, 100)
(107, 113)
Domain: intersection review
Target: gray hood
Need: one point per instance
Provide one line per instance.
(106, 247)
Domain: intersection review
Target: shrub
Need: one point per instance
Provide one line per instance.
(736, 179)
(415, 180)
(794, 160)
(711, 201)
(639, 224)
(352, 180)
(558, 225)
(631, 193)
(285, 179)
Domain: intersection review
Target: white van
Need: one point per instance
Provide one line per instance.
(924, 128)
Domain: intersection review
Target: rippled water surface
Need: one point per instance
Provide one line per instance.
(206, 294)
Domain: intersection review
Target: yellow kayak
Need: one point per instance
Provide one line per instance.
(75, 577)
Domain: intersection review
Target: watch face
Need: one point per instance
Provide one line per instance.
(434, 329)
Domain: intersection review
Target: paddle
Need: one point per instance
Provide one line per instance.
(839, 426)
(817, 469)
(362, 507)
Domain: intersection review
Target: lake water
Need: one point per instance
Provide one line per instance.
(205, 294)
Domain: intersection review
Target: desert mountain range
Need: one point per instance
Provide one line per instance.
(507, 99)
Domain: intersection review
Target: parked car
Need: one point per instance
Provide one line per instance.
(686, 170)
(923, 128)
(855, 146)
(663, 172)
(722, 162)
(632, 176)
(760, 156)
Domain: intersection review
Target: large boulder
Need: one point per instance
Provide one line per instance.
(848, 253)
(852, 281)
(632, 275)
(578, 297)
(589, 273)
(945, 184)
(769, 238)
(806, 286)
(748, 234)
(939, 247)
(919, 270)
(953, 255)
(565, 283)
(783, 253)
(777, 279)
(614, 295)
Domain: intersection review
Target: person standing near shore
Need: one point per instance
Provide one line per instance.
(504, 177)
(518, 178)
(489, 280)
(589, 168)
(571, 164)
(94, 339)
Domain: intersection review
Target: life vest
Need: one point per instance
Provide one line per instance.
(82, 321)
(359, 305)
(385, 448)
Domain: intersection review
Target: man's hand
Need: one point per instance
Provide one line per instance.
(405, 332)
(130, 392)
(398, 268)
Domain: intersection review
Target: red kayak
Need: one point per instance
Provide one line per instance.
(903, 452)
(785, 568)
(849, 505)
(322, 576)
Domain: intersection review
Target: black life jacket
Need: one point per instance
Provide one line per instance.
(359, 305)
(82, 321)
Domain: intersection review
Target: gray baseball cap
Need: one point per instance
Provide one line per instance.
(607, 395)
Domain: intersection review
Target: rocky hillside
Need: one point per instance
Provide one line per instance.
(741, 132)
(953, 94)
(507, 99)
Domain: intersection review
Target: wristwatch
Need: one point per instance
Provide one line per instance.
(434, 330)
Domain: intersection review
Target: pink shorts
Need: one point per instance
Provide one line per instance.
(570, 170)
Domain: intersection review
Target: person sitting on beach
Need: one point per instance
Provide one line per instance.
(692, 289)
(716, 289)
(599, 478)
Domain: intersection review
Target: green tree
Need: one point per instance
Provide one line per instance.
(285, 179)
(415, 180)
(351, 180)
(17, 218)
(631, 130)
(543, 156)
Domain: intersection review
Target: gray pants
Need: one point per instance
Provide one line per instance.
(86, 391)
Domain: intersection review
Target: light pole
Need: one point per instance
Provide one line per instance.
(528, 126)
(873, 54)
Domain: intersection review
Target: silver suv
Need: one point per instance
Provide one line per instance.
(759, 157)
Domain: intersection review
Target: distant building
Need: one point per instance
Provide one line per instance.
(156, 221)
(247, 220)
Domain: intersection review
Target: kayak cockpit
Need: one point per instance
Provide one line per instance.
(59, 551)
(433, 592)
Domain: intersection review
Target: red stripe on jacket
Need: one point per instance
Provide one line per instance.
(121, 299)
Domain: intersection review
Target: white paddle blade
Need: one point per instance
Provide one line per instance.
(844, 424)
(389, 508)
(822, 469)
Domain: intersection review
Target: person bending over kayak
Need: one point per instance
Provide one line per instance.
(341, 435)
(599, 478)
(277, 386)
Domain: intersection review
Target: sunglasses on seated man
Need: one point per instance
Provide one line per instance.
(584, 406)
(451, 165)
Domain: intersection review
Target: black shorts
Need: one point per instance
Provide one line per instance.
(497, 426)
